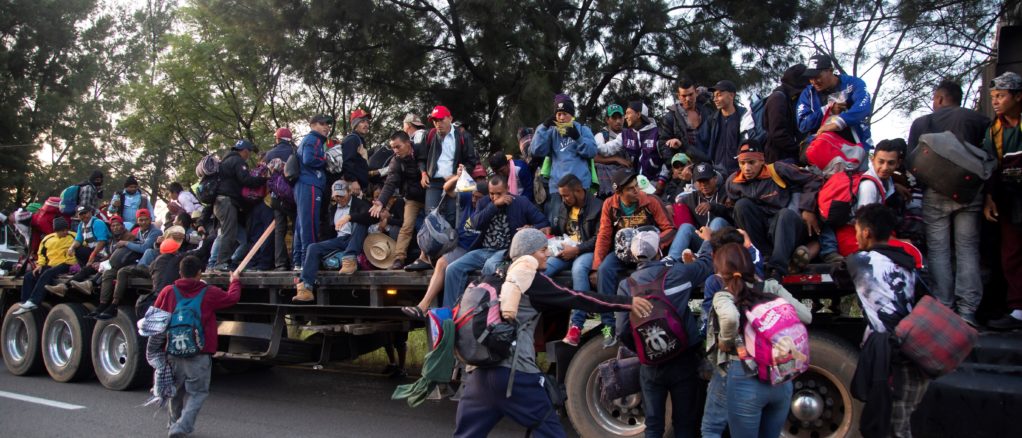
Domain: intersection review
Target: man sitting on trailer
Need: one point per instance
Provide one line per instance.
(497, 219)
(351, 220)
(112, 292)
(53, 260)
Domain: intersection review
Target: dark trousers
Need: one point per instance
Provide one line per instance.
(227, 215)
(677, 378)
(1011, 260)
(281, 215)
(34, 288)
(776, 235)
(484, 404)
(114, 283)
(82, 256)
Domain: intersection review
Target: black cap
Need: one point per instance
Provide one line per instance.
(795, 76)
(322, 118)
(130, 181)
(750, 146)
(245, 144)
(724, 85)
(817, 64)
(622, 178)
(703, 171)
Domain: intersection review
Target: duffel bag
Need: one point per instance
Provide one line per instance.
(952, 168)
(934, 337)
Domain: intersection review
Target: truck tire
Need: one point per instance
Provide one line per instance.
(591, 416)
(20, 336)
(65, 342)
(822, 404)
(118, 352)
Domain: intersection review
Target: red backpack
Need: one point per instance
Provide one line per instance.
(660, 336)
(838, 196)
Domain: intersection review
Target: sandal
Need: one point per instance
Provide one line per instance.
(414, 312)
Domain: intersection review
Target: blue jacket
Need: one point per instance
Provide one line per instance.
(520, 213)
(811, 105)
(525, 179)
(682, 279)
(567, 156)
(313, 163)
(144, 242)
(282, 150)
(466, 237)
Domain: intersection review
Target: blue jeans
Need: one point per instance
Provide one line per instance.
(148, 256)
(553, 206)
(755, 408)
(309, 200)
(239, 251)
(609, 274)
(456, 277)
(688, 239)
(449, 208)
(34, 288)
(948, 221)
(580, 268)
(677, 378)
(828, 240)
(715, 410)
(351, 244)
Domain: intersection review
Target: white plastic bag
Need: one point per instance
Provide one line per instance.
(465, 182)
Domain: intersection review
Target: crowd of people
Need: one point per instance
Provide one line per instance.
(713, 186)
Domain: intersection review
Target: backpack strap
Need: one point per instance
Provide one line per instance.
(514, 358)
(774, 176)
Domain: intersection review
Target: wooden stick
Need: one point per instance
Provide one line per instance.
(255, 248)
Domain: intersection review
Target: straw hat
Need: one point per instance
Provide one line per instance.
(379, 250)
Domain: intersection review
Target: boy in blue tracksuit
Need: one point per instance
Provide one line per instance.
(311, 183)
(847, 97)
(569, 144)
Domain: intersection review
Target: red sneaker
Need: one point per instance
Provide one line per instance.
(574, 333)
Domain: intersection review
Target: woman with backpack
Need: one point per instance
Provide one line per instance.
(757, 402)
(524, 294)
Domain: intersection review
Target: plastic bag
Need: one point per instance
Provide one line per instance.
(465, 182)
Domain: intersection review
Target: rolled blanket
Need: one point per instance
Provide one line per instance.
(518, 280)
(154, 326)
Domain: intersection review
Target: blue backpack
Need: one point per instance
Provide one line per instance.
(185, 337)
(752, 124)
(69, 199)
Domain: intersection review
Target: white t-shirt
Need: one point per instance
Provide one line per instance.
(341, 212)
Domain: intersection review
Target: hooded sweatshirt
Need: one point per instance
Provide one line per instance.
(214, 299)
(812, 104)
(641, 145)
(885, 280)
(567, 155)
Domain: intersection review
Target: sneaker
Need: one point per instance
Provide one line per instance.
(84, 287)
(25, 307)
(108, 313)
(572, 338)
(418, 265)
(1006, 322)
(348, 266)
(609, 340)
(99, 309)
(304, 294)
(223, 267)
(800, 258)
(833, 258)
(57, 289)
(687, 256)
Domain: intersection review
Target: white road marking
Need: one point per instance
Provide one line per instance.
(40, 401)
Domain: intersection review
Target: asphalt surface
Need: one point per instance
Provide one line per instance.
(278, 401)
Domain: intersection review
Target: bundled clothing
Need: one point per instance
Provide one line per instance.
(812, 106)
(154, 326)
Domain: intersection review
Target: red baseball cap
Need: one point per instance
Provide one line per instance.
(439, 112)
(479, 171)
(142, 212)
(283, 134)
(116, 218)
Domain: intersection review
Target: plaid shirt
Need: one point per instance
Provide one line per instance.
(154, 326)
(87, 197)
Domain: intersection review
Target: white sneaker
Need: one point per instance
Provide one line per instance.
(25, 307)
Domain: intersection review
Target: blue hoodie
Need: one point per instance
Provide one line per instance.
(313, 164)
(812, 104)
(567, 156)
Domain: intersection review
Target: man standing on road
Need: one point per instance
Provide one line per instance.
(191, 374)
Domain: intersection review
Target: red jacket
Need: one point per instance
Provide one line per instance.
(611, 221)
(215, 299)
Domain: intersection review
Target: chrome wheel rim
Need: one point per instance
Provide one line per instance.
(113, 350)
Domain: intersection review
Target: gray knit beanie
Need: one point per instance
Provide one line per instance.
(526, 242)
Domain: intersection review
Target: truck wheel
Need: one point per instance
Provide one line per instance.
(20, 335)
(118, 352)
(65, 342)
(822, 403)
(591, 416)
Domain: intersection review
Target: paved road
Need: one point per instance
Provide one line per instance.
(271, 402)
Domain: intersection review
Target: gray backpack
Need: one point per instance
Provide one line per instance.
(950, 167)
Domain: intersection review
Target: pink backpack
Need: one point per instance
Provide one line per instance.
(777, 341)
